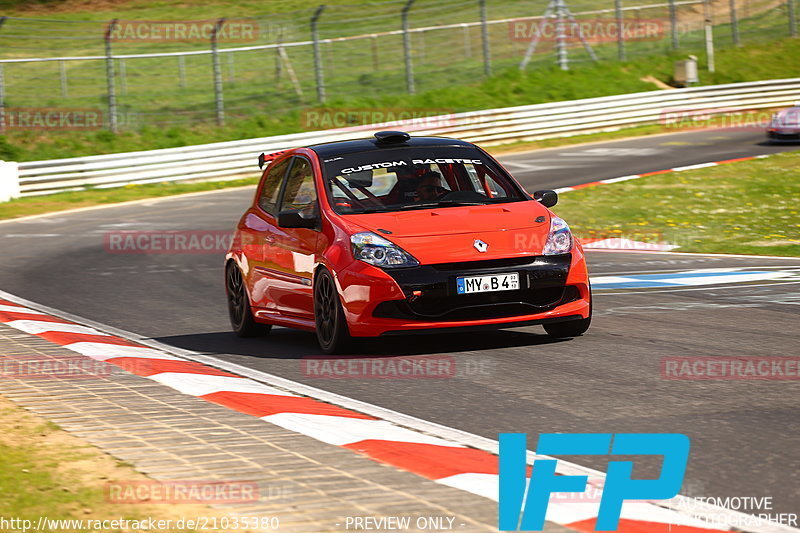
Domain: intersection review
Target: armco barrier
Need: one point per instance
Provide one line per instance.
(237, 159)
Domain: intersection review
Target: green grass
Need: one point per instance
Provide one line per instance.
(45, 472)
(744, 208)
(508, 88)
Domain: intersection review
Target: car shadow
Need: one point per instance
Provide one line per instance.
(284, 343)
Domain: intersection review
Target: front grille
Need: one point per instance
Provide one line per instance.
(482, 265)
(542, 287)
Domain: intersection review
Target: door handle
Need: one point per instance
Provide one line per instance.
(269, 239)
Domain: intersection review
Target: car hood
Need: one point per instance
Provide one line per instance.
(449, 234)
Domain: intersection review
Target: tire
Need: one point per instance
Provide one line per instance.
(332, 331)
(570, 328)
(242, 321)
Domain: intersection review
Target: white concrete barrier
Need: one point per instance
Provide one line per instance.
(9, 180)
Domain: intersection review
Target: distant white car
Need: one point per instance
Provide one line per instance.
(785, 125)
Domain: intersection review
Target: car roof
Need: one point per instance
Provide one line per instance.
(365, 145)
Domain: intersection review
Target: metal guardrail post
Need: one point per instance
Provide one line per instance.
(110, 81)
(218, 100)
(791, 9)
(734, 23)
(709, 29)
(620, 36)
(123, 78)
(487, 55)
(673, 24)
(318, 73)
(407, 48)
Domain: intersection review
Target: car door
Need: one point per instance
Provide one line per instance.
(259, 234)
(296, 247)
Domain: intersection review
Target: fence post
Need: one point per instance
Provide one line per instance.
(709, 28)
(111, 87)
(318, 74)
(2, 89)
(673, 24)
(620, 37)
(231, 68)
(2, 99)
(561, 37)
(487, 57)
(62, 76)
(373, 40)
(467, 41)
(182, 71)
(734, 23)
(123, 78)
(407, 48)
(792, 18)
(218, 101)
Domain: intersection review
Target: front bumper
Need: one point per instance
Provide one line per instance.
(786, 135)
(424, 298)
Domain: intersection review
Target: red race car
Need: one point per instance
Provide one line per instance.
(399, 234)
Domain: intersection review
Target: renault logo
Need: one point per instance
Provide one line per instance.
(480, 246)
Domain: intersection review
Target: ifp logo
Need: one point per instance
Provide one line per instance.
(619, 486)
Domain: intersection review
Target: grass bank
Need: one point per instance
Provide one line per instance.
(508, 88)
(46, 472)
(748, 207)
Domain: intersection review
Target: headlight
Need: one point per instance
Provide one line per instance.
(377, 251)
(559, 240)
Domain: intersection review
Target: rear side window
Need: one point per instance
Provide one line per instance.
(268, 200)
(300, 194)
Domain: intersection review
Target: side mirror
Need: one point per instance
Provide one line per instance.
(546, 197)
(293, 219)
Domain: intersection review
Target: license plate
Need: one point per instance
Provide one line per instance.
(490, 283)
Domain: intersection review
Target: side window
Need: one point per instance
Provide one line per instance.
(268, 201)
(495, 188)
(300, 194)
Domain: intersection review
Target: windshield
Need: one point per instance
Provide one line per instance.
(405, 178)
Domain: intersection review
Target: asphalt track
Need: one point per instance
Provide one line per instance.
(574, 165)
(744, 433)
